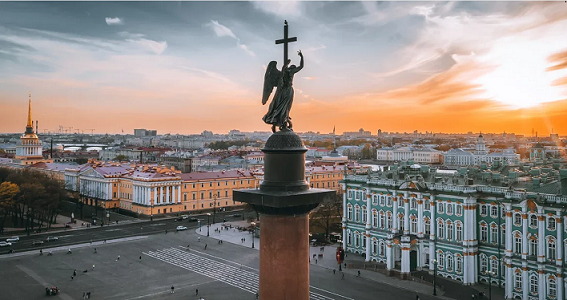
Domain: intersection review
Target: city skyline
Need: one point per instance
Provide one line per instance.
(185, 67)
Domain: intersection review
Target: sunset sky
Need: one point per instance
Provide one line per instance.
(185, 67)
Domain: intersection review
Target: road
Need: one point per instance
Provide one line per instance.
(85, 235)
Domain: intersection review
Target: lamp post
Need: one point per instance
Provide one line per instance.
(214, 206)
(151, 210)
(434, 277)
(208, 224)
(253, 231)
(490, 274)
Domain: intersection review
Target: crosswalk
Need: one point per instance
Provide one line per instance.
(233, 275)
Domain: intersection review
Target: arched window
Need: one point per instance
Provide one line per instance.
(533, 246)
(449, 208)
(374, 247)
(483, 263)
(382, 249)
(449, 231)
(518, 280)
(413, 227)
(533, 284)
(483, 233)
(389, 201)
(551, 288)
(349, 194)
(551, 249)
(374, 219)
(382, 220)
(533, 221)
(551, 223)
(440, 260)
(389, 221)
(518, 244)
(357, 239)
(357, 213)
(517, 219)
(493, 211)
(494, 265)
(427, 226)
(459, 228)
(364, 215)
(459, 265)
(427, 205)
(349, 212)
(494, 234)
(441, 230)
(458, 209)
(449, 263)
(349, 241)
(382, 200)
(374, 199)
(413, 203)
(401, 222)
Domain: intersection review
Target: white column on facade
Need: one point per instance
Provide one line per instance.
(395, 213)
(368, 224)
(179, 193)
(525, 280)
(405, 245)
(148, 196)
(344, 217)
(167, 195)
(155, 195)
(559, 244)
(161, 194)
(134, 194)
(541, 245)
(508, 229)
(173, 193)
(542, 284)
(560, 284)
(524, 233)
(509, 286)
(432, 229)
(420, 225)
(406, 214)
(389, 256)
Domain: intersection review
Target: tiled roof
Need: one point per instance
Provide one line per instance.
(213, 175)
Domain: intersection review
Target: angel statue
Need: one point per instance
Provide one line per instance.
(278, 113)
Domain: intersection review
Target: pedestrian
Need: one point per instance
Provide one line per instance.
(104, 243)
(88, 295)
(334, 270)
(343, 277)
(69, 251)
(140, 257)
(315, 261)
(84, 295)
(118, 258)
(196, 292)
(72, 278)
(94, 250)
(93, 267)
(75, 273)
(257, 296)
(172, 289)
(40, 252)
(205, 246)
(359, 273)
(199, 239)
(416, 297)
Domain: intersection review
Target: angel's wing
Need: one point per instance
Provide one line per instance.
(271, 80)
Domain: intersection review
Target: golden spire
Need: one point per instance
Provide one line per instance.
(29, 126)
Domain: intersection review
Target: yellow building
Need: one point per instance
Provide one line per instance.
(28, 149)
(151, 189)
(324, 177)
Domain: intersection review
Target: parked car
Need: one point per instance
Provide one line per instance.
(184, 217)
(179, 228)
(13, 239)
(237, 215)
(193, 219)
(52, 238)
(35, 243)
(5, 244)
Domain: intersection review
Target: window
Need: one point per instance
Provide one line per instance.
(194, 195)
(449, 231)
(401, 222)
(533, 221)
(202, 195)
(374, 219)
(427, 227)
(374, 247)
(382, 249)
(459, 265)
(449, 208)
(517, 219)
(356, 239)
(357, 195)
(413, 227)
(226, 193)
(533, 284)
(483, 210)
(440, 207)
(551, 249)
(483, 233)
(441, 230)
(382, 200)
(518, 244)
(503, 236)
(483, 264)
(494, 265)
(348, 238)
(363, 238)
(427, 205)
(357, 214)
(349, 194)
(382, 221)
(493, 211)
(389, 223)
(459, 232)
(389, 201)
(349, 213)
(449, 263)
(494, 234)
(364, 215)
(413, 203)
(518, 281)
(551, 223)
(374, 199)
(459, 209)
(400, 203)
(552, 288)
(533, 246)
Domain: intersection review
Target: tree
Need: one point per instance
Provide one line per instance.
(8, 191)
(326, 214)
(121, 157)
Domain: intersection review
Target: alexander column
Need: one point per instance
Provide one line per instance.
(284, 198)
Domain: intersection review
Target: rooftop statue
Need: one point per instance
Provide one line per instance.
(278, 112)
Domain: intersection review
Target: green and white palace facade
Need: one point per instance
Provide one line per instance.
(467, 232)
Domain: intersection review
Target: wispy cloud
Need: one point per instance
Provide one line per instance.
(152, 46)
(286, 9)
(114, 21)
(222, 30)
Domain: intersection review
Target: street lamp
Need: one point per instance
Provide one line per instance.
(490, 274)
(434, 277)
(208, 224)
(214, 206)
(253, 231)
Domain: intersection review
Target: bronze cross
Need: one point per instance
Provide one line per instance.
(285, 41)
